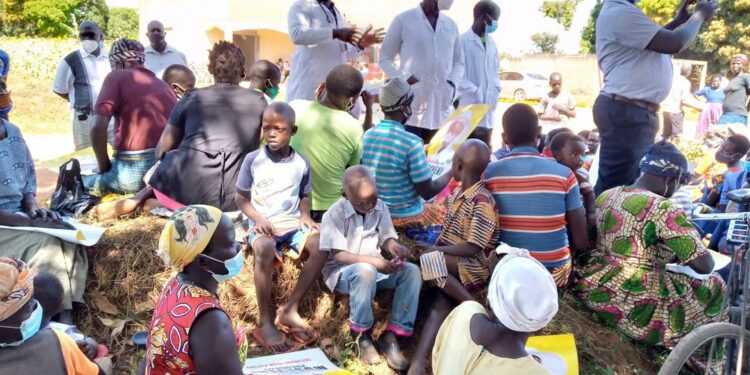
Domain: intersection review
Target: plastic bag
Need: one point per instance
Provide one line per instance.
(71, 198)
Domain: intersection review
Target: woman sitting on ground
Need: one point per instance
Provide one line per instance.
(18, 208)
(625, 282)
(26, 345)
(210, 132)
(190, 332)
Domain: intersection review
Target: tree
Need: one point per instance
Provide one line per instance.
(51, 18)
(561, 11)
(545, 42)
(123, 23)
(588, 35)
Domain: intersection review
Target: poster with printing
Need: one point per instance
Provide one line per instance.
(306, 362)
(454, 131)
(556, 353)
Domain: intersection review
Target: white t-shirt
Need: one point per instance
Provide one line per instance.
(680, 91)
(622, 34)
(564, 99)
(97, 68)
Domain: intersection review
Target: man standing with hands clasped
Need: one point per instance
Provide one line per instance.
(428, 45)
(324, 41)
(634, 55)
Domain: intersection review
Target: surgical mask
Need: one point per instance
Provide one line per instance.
(89, 45)
(350, 105)
(272, 92)
(491, 27)
(407, 112)
(101, 45)
(444, 4)
(29, 327)
(233, 266)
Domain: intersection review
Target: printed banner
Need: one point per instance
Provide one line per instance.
(556, 353)
(454, 131)
(307, 362)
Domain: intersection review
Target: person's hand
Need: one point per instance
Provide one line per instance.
(367, 99)
(591, 219)
(264, 227)
(412, 80)
(558, 107)
(89, 347)
(706, 8)
(682, 11)
(50, 224)
(398, 251)
(307, 223)
(371, 36)
(104, 167)
(43, 214)
(428, 250)
(346, 34)
(384, 266)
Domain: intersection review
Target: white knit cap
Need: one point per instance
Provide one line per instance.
(395, 93)
(522, 292)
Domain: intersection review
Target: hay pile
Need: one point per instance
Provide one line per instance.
(126, 278)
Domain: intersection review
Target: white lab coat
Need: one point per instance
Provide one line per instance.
(311, 28)
(432, 56)
(481, 81)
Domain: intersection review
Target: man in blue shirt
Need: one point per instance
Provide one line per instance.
(4, 64)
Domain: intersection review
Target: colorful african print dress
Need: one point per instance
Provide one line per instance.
(168, 350)
(626, 284)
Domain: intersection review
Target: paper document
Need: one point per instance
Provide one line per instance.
(454, 131)
(720, 261)
(86, 235)
(307, 362)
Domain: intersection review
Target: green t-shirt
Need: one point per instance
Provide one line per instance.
(331, 140)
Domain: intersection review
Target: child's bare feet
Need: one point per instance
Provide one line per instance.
(113, 210)
(271, 339)
(298, 327)
(150, 204)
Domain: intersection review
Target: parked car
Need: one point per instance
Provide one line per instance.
(523, 86)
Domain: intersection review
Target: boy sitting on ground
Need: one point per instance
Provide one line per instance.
(273, 190)
(48, 291)
(475, 341)
(470, 231)
(569, 150)
(354, 231)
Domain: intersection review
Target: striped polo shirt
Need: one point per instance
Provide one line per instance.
(398, 162)
(533, 194)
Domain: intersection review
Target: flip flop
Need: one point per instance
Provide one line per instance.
(310, 332)
(273, 347)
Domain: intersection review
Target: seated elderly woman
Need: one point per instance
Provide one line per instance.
(190, 332)
(625, 282)
(26, 345)
(201, 150)
(18, 208)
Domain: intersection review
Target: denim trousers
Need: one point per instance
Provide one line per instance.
(360, 282)
(627, 131)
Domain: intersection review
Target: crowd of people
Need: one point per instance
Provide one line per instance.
(314, 180)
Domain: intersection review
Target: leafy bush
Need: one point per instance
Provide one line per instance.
(123, 23)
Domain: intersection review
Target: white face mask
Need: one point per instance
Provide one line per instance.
(444, 4)
(89, 45)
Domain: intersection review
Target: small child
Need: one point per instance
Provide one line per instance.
(180, 78)
(355, 231)
(48, 291)
(273, 190)
(470, 231)
(569, 150)
(715, 105)
(547, 151)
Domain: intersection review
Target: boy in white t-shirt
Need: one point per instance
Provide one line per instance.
(273, 190)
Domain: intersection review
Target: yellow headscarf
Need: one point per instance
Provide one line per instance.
(16, 286)
(187, 234)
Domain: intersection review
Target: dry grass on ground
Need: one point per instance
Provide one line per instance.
(127, 275)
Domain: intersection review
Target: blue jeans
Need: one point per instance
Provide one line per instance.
(627, 131)
(360, 282)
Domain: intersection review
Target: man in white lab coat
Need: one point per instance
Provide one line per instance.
(324, 40)
(481, 82)
(427, 43)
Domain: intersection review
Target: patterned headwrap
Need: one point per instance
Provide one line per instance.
(187, 234)
(16, 286)
(127, 50)
(742, 58)
(665, 160)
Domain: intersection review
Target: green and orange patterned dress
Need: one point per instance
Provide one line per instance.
(625, 282)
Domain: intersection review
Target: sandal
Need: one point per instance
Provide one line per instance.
(295, 332)
(276, 346)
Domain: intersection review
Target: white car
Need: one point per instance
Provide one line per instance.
(523, 86)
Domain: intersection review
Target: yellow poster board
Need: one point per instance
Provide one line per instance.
(557, 353)
(454, 131)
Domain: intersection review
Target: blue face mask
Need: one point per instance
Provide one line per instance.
(491, 27)
(28, 328)
(233, 266)
(747, 166)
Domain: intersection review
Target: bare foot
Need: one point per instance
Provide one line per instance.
(272, 338)
(113, 210)
(292, 319)
(151, 204)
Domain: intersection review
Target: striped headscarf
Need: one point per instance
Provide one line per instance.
(742, 58)
(16, 286)
(665, 160)
(127, 50)
(187, 234)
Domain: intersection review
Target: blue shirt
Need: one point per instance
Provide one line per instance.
(4, 63)
(713, 96)
(732, 182)
(398, 162)
(533, 194)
